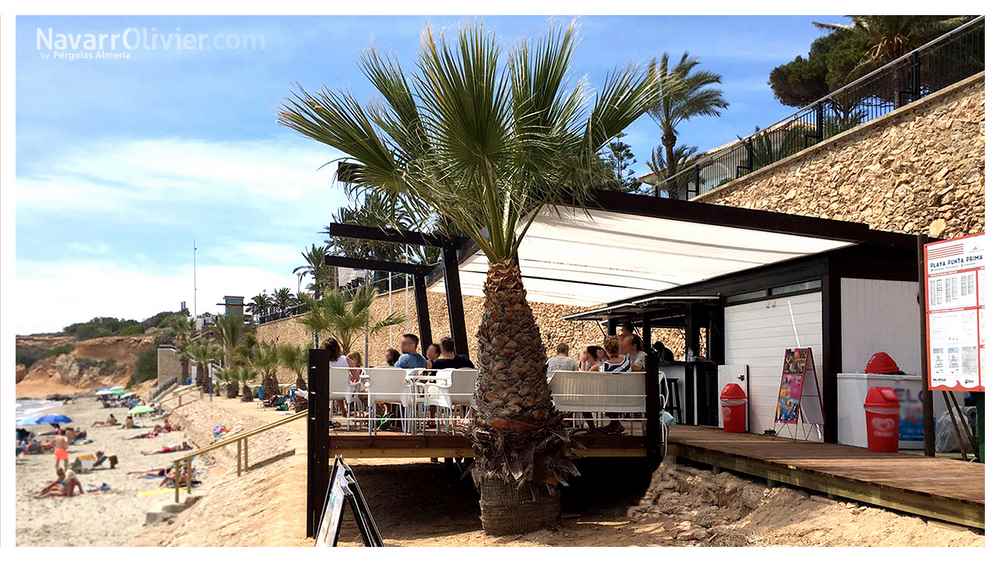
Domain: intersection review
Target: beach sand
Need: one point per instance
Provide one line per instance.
(93, 519)
(418, 503)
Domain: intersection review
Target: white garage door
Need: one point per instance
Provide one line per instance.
(757, 335)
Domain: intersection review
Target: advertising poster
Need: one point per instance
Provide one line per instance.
(798, 364)
(955, 309)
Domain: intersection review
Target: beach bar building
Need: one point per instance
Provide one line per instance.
(743, 285)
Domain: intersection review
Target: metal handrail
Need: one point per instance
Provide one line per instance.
(712, 156)
(241, 453)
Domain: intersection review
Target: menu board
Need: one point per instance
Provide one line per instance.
(954, 272)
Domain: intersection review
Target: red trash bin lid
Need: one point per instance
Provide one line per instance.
(732, 391)
(882, 364)
(881, 396)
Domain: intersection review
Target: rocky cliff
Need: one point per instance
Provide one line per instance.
(60, 363)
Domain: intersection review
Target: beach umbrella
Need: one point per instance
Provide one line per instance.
(52, 419)
(26, 421)
(140, 410)
(127, 394)
(104, 392)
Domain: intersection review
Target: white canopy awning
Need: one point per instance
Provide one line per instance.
(576, 257)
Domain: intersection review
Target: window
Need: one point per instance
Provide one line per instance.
(797, 287)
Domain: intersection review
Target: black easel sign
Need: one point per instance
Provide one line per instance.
(343, 488)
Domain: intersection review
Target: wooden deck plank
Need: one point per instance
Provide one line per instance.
(933, 487)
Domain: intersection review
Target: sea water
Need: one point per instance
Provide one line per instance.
(29, 407)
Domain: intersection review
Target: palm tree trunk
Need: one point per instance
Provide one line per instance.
(517, 431)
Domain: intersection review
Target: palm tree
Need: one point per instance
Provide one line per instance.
(350, 315)
(266, 362)
(203, 353)
(324, 276)
(315, 320)
(180, 327)
(229, 332)
(260, 305)
(683, 156)
(283, 300)
(486, 146)
(296, 359)
(681, 94)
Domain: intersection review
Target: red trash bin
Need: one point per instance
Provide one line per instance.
(734, 408)
(882, 415)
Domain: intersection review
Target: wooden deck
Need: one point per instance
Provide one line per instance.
(945, 489)
(394, 445)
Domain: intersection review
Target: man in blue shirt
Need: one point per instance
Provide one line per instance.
(410, 358)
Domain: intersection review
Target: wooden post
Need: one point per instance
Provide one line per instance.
(653, 437)
(927, 395)
(423, 312)
(190, 475)
(177, 483)
(317, 437)
(456, 307)
(246, 454)
(239, 458)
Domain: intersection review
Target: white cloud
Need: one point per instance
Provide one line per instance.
(117, 176)
(52, 295)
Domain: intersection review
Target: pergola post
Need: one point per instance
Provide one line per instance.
(453, 294)
(654, 440)
(317, 438)
(423, 313)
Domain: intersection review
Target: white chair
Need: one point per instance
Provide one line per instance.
(341, 388)
(451, 388)
(389, 386)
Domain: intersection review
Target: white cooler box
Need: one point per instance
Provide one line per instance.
(851, 391)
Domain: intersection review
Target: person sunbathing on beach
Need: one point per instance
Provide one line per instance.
(151, 473)
(111, 421)
(65, 485)
(169, 479)
(182, 447)
(129, 423)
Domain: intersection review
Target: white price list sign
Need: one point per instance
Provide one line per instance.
(954, 272)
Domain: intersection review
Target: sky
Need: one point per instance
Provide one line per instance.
(125, 162)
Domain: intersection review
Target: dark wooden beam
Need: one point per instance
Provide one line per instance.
(456, 306)
(378, 265)
(926, 394)
(832, 352)
(423, 312)
(317, 438)
(397, 236)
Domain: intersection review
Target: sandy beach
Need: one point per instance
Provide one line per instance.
(418, 503)
(93, 519)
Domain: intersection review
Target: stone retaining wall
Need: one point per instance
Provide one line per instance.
(918, 170)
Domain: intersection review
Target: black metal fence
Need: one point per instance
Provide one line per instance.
(946, 60)
(381, 284)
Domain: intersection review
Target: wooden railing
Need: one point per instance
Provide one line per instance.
(242, 451)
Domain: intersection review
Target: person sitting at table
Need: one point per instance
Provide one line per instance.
(590, 358)
(616, 362)
(432, 352)
(391, 356)
(449, 358)
(410, 359)
(561, 361)
(631, 346)
(337, 360)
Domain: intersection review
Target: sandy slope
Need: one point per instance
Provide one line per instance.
(425, 504)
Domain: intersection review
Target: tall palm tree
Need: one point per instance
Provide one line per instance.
(315, 320)
(890, 37)
(682, 93)
(324, 276)
(296, 359)
(487, 145)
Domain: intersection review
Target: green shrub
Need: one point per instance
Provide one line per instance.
(133, 330)
(28, 356)
(145, 367)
